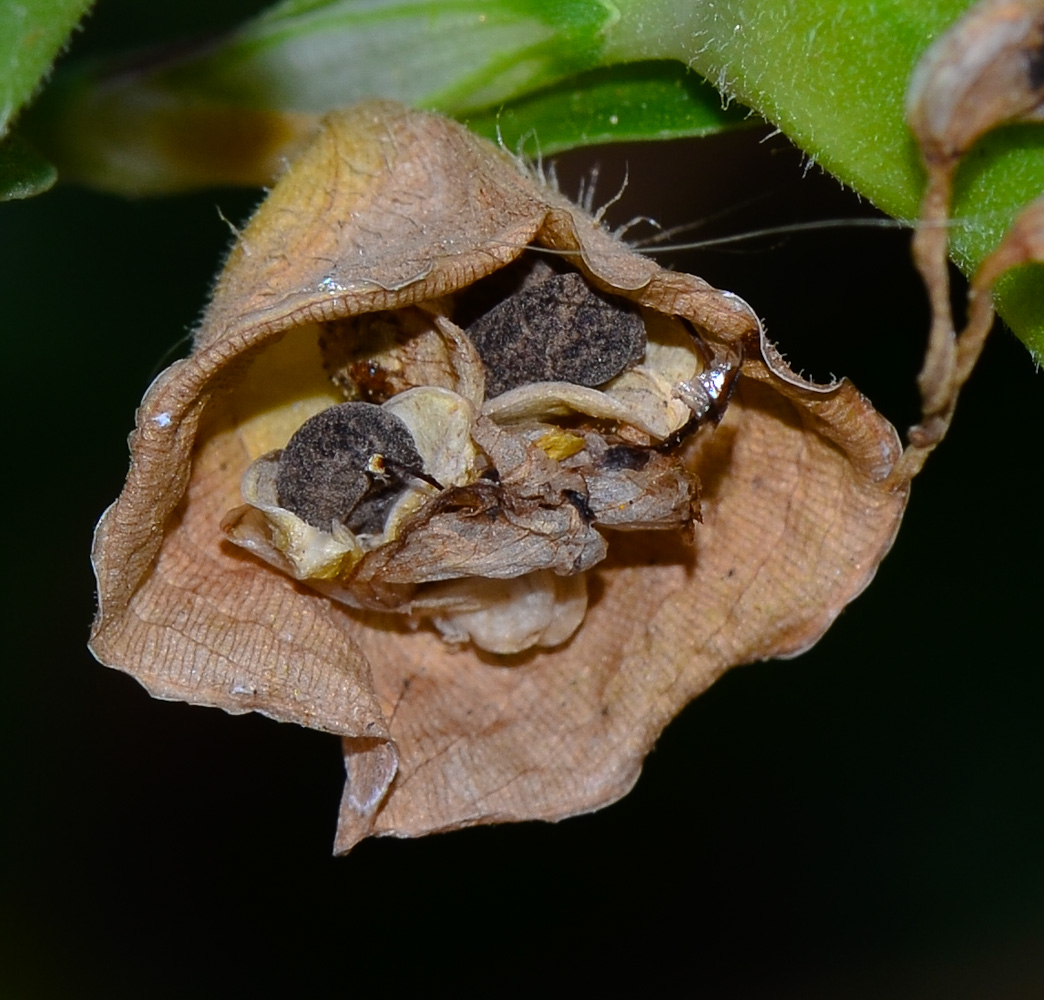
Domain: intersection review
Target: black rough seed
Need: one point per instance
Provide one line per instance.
(1035, 68)
(581, 503)
(624, 457)
(326, 472)
(558, 329)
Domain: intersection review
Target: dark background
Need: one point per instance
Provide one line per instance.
(865, 821)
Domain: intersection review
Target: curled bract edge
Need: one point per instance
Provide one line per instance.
(390, 209)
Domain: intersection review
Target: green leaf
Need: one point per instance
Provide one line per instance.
(645, 100)
(310, 55)
(129, 131)
(32, 33)
(523, 64)
(832, 74)
(23, 171)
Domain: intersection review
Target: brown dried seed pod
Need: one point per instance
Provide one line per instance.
(345, 465)
(391, 210)
(557, 330)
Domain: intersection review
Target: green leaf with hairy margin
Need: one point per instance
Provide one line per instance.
(23, 171)
(310, 55)
(831, 74)
(32, 33)
(532, 65)
(658, 99)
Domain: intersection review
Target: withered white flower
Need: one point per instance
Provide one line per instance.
(416, 503)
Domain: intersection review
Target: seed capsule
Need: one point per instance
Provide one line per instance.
(346, 465)
(558, 329)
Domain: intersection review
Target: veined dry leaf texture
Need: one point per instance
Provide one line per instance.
(522, 586)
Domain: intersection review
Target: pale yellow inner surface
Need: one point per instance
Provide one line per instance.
(284, 386)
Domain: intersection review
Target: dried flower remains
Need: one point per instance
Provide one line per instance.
(453, 473)
(473, 476)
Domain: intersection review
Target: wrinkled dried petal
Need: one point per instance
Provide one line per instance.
(511, 616)
(390, 210)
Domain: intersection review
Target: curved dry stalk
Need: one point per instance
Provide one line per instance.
(987, 70)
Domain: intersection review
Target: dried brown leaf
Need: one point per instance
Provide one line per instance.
(387, 209)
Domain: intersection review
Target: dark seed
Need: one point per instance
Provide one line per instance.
(558, 329)
(623, 457)
(1035, 67)
(581, 503)
(347, 464)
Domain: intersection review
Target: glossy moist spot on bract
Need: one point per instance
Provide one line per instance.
(346, 465)
(557, 329)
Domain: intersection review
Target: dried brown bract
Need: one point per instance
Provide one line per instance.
(497, 565)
